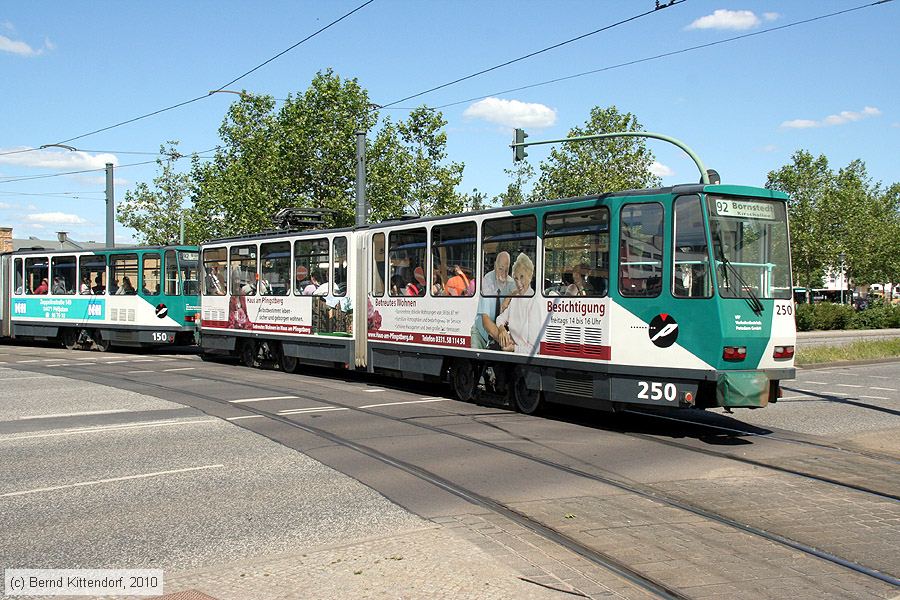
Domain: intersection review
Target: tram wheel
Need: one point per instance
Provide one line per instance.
(69, 338)
(527, 401)
(248, 353)
(99, 343)
(462, 375)
(287, 363)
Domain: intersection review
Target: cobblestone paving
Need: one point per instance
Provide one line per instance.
(853, 525)
(700, 558)
(879, 475)
(429, 564)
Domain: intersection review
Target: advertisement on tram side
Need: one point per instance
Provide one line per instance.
(303, 315)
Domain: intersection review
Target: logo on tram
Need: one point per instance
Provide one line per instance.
(161, 311)
(663, 330)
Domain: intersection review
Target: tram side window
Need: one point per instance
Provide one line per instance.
(275, 269)
(214, 267)
(406, 256)
(123, 274)
(506, 243)
(92, 272)
(242, 266)
(171, 274)
(641, 250)
(453, 258)
(311, 267)
(63, 271)
(576, 253)
(151, 271)
(37, 272)
(19, 277)
(339, 266)
(378, 264)
(187, 261)
(690, 258)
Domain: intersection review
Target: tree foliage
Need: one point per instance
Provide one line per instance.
(304, 155)
(608, 165)
(155, 212)
(839, 212)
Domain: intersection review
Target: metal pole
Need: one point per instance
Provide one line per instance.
(181, 229)
(110, 208)
(360, 178)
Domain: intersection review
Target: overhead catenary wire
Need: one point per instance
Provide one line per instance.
(146, 162)
(663, 55)
(656, 9)
(206, 95)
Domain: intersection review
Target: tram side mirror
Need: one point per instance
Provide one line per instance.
(713, 175)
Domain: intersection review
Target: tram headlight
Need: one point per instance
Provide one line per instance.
(783, 352)
(734, 353)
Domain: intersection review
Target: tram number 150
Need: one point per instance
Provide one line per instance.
(657, 390)
(160, 336)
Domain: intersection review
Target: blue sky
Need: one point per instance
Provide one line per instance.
(830, 86)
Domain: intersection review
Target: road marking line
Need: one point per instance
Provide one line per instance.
(114, 362)
(105, 428)
(849, 385)
(60, 365)
(815, 382)
(794, 397)
(133, 372)
(875, 397)
(433, 398)
(409, 402)
(297, 411)
(78, 414)
(110, 480)
(246, 400)
(179, 369)
(28, 361)
(143, 360)
(245, 417)
(373, 391)
(883, 389)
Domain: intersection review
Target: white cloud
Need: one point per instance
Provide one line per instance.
(727, 19)
(22, 48)
(842, 118)
(512, 113)
(770, 16)
(57, 158)
(4, 205)
(55, 218)
(8, 26)
(661, 170)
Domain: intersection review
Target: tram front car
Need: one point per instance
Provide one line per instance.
(741, 311)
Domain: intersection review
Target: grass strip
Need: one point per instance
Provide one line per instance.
(862, 350)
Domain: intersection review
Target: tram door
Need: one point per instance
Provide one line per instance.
(359, 273)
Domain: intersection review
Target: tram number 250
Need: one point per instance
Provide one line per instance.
(657, 390)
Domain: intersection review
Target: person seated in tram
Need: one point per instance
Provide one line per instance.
(85, 286)
(126, 289)
(42, 287)
(458, 285)
(98, 288)
(59, 286)
(579, 275)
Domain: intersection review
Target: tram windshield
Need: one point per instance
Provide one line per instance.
(189, 272)
(750, 248)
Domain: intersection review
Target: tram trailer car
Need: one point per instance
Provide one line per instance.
(142, 296)
(671, 297)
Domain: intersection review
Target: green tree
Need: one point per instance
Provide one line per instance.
(808, 181)
(582, 168)
(155, 212)
(304, 155)
(517, 189)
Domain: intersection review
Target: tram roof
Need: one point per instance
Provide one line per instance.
(676, 190)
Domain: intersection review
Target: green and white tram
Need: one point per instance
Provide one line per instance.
(142, 296)
(677, 296)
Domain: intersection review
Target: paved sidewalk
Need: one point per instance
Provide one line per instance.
(431, 563)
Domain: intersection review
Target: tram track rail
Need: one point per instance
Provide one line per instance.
(646, 492)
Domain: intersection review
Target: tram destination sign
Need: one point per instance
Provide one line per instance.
(744, 209)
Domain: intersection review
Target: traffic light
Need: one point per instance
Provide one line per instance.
(519, 151)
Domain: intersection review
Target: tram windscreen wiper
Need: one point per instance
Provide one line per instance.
(752, 299)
